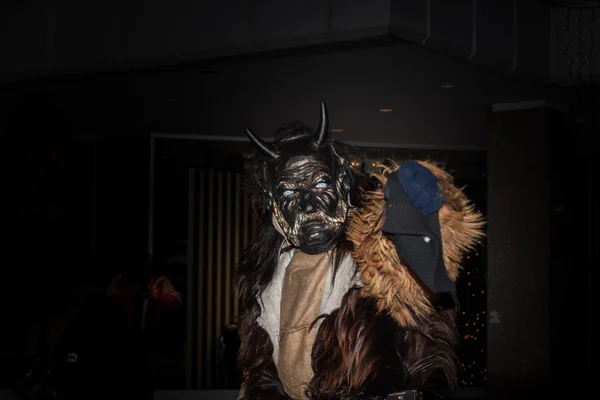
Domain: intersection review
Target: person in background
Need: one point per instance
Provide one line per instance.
(142, 304)
(138, 287)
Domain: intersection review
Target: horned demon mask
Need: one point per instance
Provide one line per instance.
(305, 180)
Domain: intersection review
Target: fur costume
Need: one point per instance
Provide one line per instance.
(332, 308)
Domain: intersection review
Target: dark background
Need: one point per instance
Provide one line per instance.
(83, 86)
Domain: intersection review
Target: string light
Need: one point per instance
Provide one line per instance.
(472, 298)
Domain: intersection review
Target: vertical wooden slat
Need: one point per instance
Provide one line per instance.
(190, 320)
(245, 223)
(245, 208)
(199, 293)
(228, 267)
(219, 274)
(209, 279)
(151, 197)
(236, 233)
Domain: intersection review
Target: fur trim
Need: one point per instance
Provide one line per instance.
(362, 354)
(396, 289)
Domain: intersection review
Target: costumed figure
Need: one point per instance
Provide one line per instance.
(348, 286)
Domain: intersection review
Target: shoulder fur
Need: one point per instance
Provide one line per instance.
(386, 278)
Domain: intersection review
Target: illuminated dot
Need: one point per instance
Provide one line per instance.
(473, 295)
(468, 273)
(482, 292)
(473, 362)
(482, 351)
(469, 283)
(483, 312)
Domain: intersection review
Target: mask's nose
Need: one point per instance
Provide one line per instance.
(305, 204)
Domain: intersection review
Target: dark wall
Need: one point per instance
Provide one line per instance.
(518, 239)
(543, 230)
(122, 192)
(574, 251)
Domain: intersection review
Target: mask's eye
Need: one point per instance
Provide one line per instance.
(322, 183)
(285, 192)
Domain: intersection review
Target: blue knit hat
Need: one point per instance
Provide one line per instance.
(412, 222)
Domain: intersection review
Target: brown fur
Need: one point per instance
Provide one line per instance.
(356, 353)
(362, 353)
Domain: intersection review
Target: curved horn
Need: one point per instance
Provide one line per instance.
(323, 130)
(264, 147)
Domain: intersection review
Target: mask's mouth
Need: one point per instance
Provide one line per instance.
(314, 233)
(314, 236)
(317, 237)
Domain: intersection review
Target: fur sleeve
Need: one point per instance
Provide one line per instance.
(386, 278)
